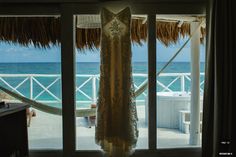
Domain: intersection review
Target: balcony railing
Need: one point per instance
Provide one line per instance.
(46, 88)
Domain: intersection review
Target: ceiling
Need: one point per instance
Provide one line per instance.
(89, 1)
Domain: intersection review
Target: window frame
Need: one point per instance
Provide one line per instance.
(67, 12)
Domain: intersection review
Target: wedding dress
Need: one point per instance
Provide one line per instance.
(116, 128)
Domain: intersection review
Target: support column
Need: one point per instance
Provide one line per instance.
(195, 86)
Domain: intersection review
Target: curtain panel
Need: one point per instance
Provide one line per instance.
(219, 105)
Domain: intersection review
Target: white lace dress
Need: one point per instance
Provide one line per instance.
(116, 129)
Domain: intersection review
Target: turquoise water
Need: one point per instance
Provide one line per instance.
(86, 68)
(82, 68)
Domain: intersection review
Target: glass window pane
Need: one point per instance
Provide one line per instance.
(87, 79)
(30, 66)
(174, 83)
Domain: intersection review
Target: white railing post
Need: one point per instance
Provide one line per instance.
(94, 89)
(31, 87)
(182, 83)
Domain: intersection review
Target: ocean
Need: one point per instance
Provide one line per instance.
(89, 68)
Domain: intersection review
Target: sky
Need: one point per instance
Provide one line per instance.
(12, 53)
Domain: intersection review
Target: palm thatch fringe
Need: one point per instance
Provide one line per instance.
(87, 38)
(44, 32)
(39, 31)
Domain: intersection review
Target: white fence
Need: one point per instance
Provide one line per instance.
(47, 87)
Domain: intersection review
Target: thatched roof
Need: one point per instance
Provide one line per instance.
(41, 31)
(45, 31)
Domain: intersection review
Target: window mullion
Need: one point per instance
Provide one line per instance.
(152, 134)
(68, 79)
